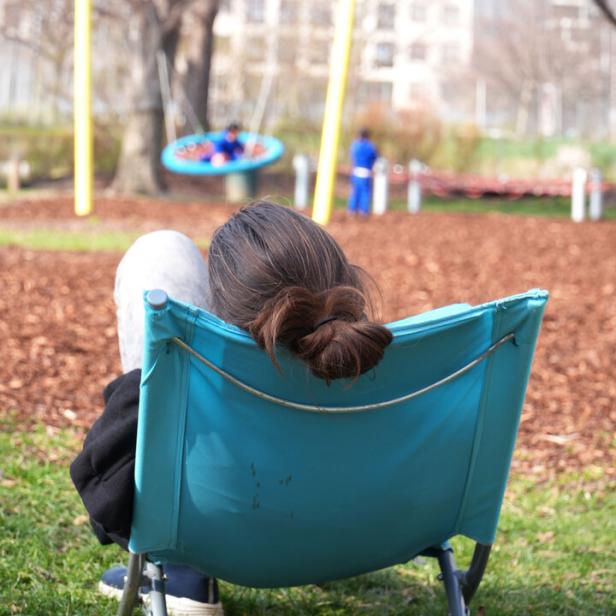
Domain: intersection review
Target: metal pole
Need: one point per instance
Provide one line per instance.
(301, 164)
(381, 180)
(595, 209)
(165, 89)
(157, 599)
(131, 585)
(338, 71)
(82, 108)
(578, 195)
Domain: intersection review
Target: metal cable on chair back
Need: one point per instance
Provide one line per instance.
(361, 408)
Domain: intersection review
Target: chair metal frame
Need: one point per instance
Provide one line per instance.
(460, 585)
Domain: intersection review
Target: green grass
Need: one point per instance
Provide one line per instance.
(550, 208)
(79, 241)
(75, 241)
(554, 552)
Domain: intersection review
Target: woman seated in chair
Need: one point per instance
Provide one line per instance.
(271, 271)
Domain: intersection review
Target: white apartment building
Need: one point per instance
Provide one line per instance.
(404, 53)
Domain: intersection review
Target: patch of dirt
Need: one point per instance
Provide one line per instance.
(58, 324)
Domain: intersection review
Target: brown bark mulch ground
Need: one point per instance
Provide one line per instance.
(57, 321)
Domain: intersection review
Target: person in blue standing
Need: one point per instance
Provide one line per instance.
(363, 157)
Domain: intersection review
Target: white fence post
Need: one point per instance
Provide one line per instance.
(301, 164)
(578, 195)
(414, 195)
(13, 183)
(595, 209)
(14, 170)
(381, 188)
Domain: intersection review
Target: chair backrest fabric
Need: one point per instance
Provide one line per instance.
(262, 495)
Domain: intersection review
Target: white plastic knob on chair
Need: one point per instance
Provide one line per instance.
(157, 298)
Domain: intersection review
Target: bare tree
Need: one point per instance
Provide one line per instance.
(44, 27)
(526, 57)
(153, 27)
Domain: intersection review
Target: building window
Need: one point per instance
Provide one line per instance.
(419, 12)
(255, 11)
(321, 15)
(451, 15)
(565, 11)
(449, 93)
(255, 49)
(418, 51)
(384, 55)
(222, 44)
(289, 11)
(451, 53)
(374, 92)
(287, 50)
(386, 16)
(318, 52)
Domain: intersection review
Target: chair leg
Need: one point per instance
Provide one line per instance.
(157, 605)
(131, 585)
(471, 578)
(449, 576)
(460, 586)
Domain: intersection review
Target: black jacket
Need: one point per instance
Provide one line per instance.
(103, 472)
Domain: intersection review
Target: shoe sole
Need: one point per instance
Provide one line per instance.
(176, 606)
(180, 606)
(109, 591)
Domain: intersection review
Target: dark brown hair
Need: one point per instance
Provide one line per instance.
(283, 278)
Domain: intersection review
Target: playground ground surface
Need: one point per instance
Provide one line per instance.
(58, 324)
(59, 350)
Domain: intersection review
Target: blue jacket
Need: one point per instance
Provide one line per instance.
(363, 153)
(232, 149)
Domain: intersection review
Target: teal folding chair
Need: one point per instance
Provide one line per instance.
(269, 478)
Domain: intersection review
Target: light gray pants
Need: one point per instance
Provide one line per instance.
(166, 260)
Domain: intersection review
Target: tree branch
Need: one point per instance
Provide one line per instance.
(172, 20)
(607, 11)
(26, 42)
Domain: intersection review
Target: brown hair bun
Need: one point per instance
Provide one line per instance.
(328, 330)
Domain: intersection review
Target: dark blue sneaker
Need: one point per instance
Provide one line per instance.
(188, 592)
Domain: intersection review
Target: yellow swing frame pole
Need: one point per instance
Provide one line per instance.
(338, 72)
(82, 108)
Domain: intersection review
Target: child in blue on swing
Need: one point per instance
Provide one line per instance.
(271, 271)
(226, 148)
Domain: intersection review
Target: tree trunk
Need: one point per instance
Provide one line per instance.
(199, 37)
(139, 168)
